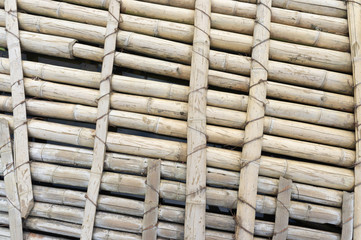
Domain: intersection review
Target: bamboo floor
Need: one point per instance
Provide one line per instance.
(180, 119)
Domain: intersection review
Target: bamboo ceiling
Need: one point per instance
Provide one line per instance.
(180, 119)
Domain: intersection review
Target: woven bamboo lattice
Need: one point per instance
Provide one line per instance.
(180, 119)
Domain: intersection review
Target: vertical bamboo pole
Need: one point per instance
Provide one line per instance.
(282, 210)
(21, 154)
(194, 226)
(7, 167)
(347, 216)
(354, 20)
(150, 219)
(102, 120)
(252, 147)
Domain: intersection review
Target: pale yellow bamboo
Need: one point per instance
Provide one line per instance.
(102, 120)
(196, 183)
(7, 168)
(354, 18)
(253, 134)
(347, 216)
(299, 171)
(5, 234)
(21, 153)
(282, 212)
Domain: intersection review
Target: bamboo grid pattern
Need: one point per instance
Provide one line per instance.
(228, 119)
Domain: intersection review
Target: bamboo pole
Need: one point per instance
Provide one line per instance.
(179, 52)
(234, 8)
(347, 216)
(122, 183)
(295, 148)
(7, 168)
(196, 183)
(151, 201)
(178, 31)
(253, 134)
(5, 234)
(102, 120)
(81, 32)
(225, 62)
(354, 18)
(21, 154)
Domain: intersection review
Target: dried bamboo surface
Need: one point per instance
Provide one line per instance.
(5, 234)
(217, 177)
(123, 183)
(179, 52)
(224, 62)
(295, 148)
(234, 8)
(347, 216)
(178, 31)
(282, 214)
(21, 153)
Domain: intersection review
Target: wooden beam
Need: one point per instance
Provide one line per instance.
(7, 168)
(252, 146)
(102, 120)
(347, 216)
(194, 226)
(150, 218)
(21, 153)
(282, 210)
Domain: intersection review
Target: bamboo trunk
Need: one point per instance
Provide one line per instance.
(234, 8)
(177, 31)
(225, 62)
(310, 151)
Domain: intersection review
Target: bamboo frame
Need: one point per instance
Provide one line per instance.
(7, 169)
(253, 134)
(21, 153)
(196, 183)
(102, 120)
(347, 216)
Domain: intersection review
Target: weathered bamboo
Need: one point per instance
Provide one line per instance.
(196, 183)
(295, 148)
(282, 214)
(225, 62)
(176, 31)
(284, 16)
(151, 201)
(7, 168)
(354, 18)
(21, 153)
(253, 134)
(5, 234)
(131, 184)
(102, 120)
(347, 216)
(302, 172)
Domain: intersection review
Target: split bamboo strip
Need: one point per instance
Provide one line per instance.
(354, 18)
(233, 8)
(102, 119)
(317, 174)
(347, 216)
(151, 201)
(225, 62)
(176, 31)
(311, 151)
(196, 183)
(282, 212)
(126, 206)
(253, 134)
(123, 183)
(21, 153)
(7, 168)
(82, 32)
(180, 52)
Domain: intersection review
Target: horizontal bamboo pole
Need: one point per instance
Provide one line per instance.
(179, 52)
(160, 107)
(171, 190)
(178, 31)
(226, 62)
(272, 167)
(234, 8)
(124, 206)
(5, 234)
(285, 146)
